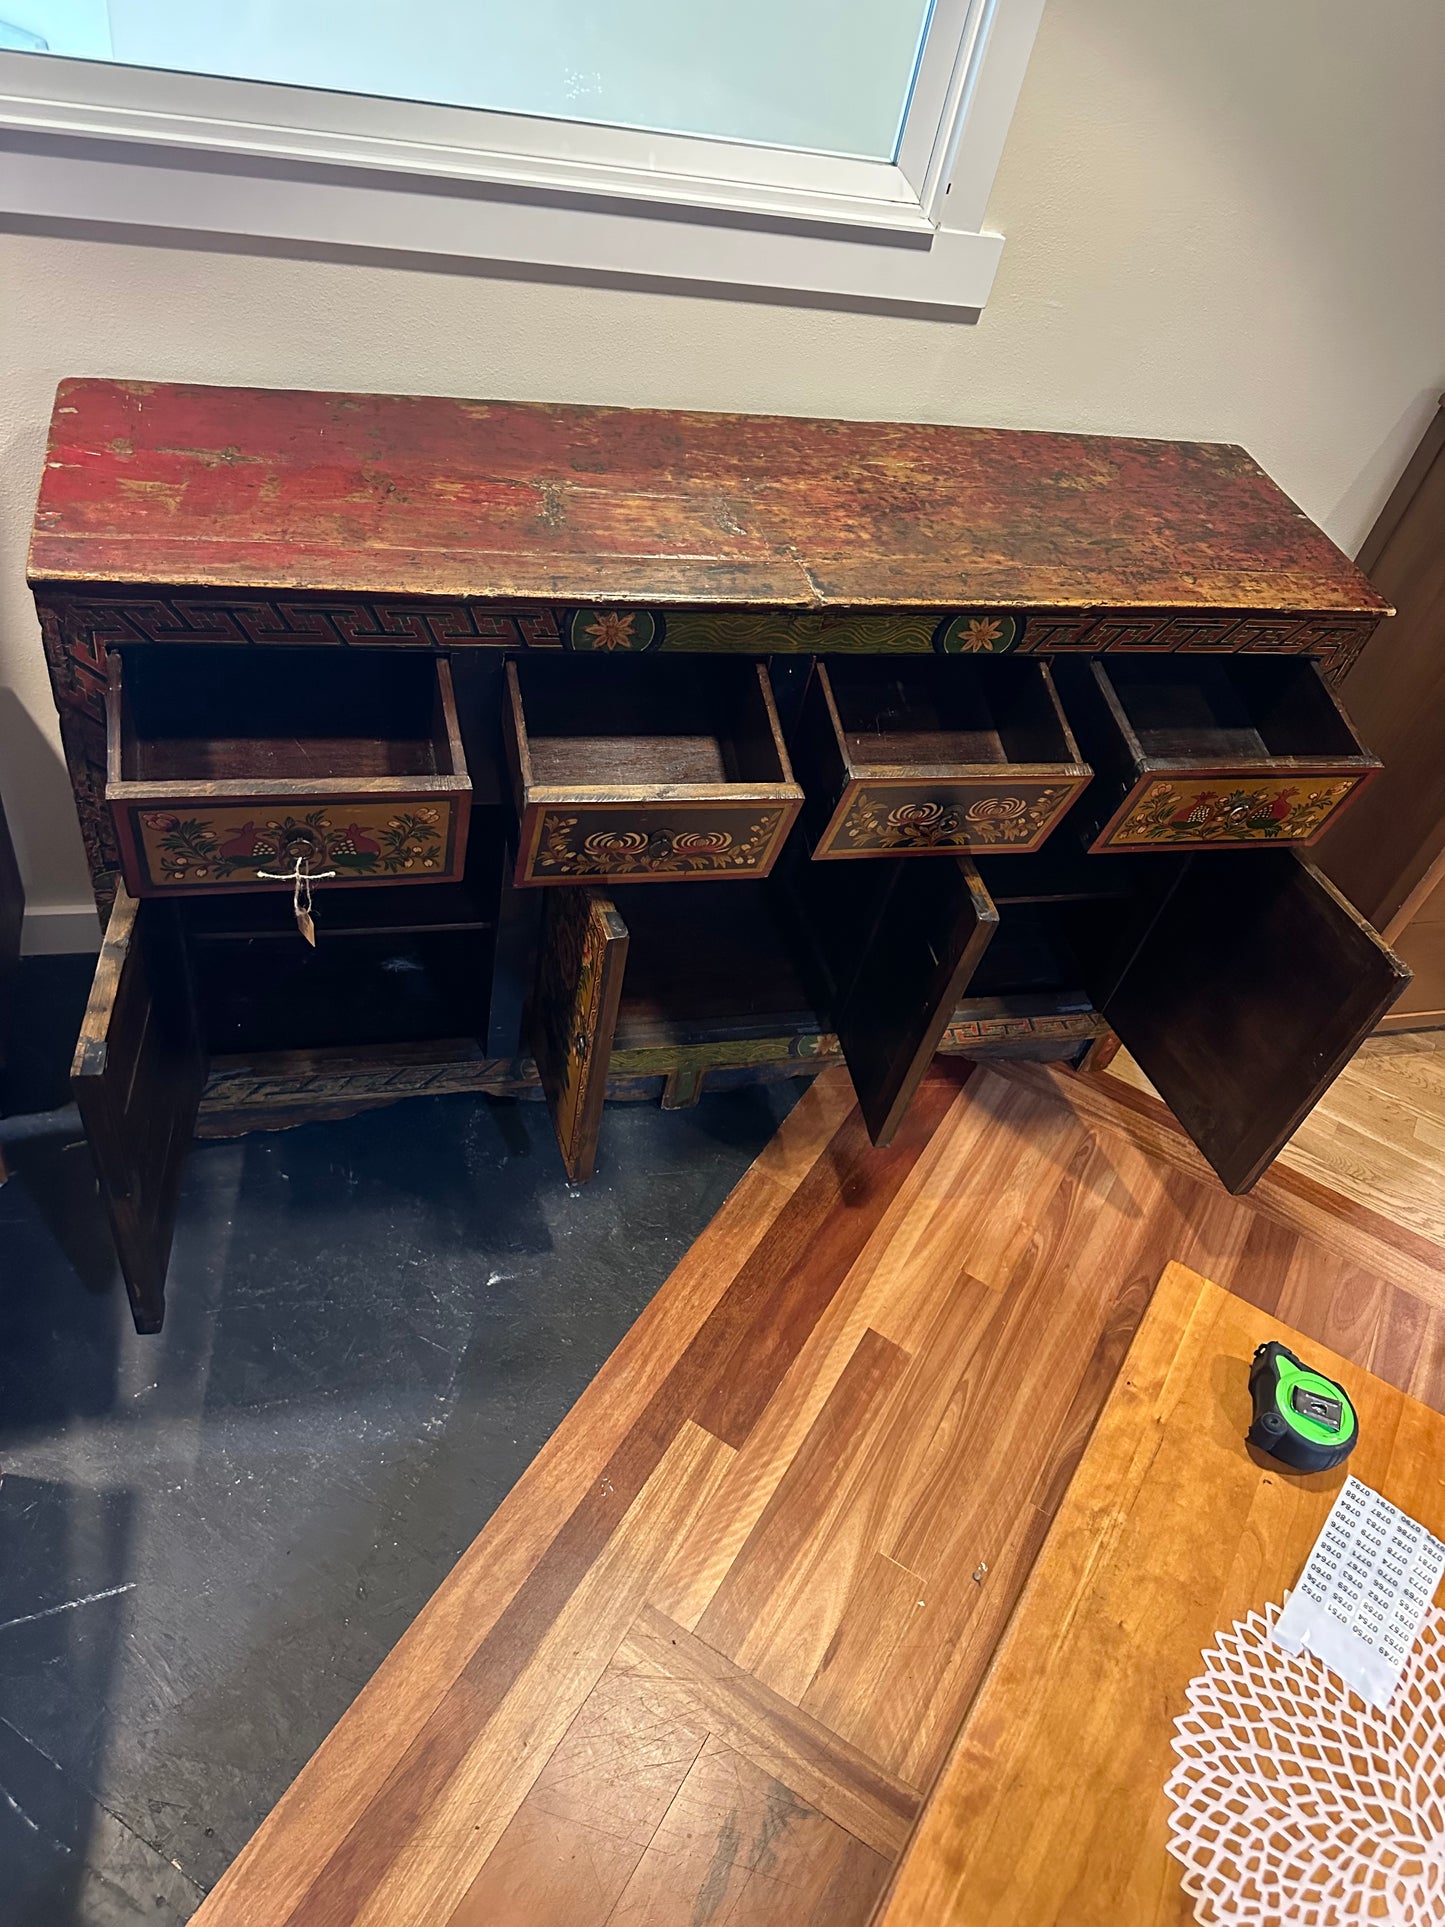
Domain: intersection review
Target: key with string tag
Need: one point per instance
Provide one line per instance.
(301, 880)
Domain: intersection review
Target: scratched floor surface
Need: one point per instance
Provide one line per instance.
(208, 1540)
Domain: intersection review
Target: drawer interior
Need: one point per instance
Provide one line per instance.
(946, 710)
(1226, 710)
(593, 723)
(258, 714)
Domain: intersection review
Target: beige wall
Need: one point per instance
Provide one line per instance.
(1223, 221)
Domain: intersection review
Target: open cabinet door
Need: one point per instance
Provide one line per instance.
(138, 1073)
(1253, 987)
(581, 957)
(893, 945)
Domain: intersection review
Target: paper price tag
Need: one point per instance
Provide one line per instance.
(1363, 1595)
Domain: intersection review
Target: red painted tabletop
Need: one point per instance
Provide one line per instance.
(158, 483)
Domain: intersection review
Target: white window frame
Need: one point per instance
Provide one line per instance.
(135, 146)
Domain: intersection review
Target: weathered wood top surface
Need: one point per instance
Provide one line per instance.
(229, 488)
(1051, 1810)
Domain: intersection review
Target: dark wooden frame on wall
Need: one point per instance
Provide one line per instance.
(1388, 853)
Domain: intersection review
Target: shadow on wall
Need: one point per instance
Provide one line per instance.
(1259, 115)
(36, 789)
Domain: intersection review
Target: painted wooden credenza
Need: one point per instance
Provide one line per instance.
(623, 752)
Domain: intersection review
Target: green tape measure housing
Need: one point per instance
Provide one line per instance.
(1301, 1418)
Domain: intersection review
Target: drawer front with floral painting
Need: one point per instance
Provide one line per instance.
(234, 770)
(646, 772)
(933, 758)
(1201, 755)
(1228, 806)
(200, 845)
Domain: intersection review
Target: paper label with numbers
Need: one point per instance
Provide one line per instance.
(1363, 1595)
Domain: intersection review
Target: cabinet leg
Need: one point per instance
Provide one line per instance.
(683, 1088)
(1101, 1053)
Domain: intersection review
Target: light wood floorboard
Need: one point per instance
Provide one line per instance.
(1378, 1135)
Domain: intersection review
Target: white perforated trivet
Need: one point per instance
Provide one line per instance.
(1295, 1801)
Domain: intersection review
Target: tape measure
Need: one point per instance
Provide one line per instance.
(1301, 1418)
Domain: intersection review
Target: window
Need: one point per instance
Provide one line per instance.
(844, 147)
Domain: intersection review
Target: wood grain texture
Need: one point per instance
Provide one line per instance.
(145, 482)
(582, 958)
(1050, 1810)
(1239, 1039)
(137, 1076)
(712, 1651)
(1377, 1136)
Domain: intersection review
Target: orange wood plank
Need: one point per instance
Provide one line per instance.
(738, 1846)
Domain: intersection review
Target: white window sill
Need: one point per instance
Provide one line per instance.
(81, 141)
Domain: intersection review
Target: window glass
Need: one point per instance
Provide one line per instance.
(832, 76)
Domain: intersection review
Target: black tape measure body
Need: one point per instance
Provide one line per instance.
(1301, 1418)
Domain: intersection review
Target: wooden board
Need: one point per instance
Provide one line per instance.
(137, 1076)
(1421, 942)
(1253, 988)
(581, 959)
(1050, 1811)
(906, 972)
(707, 1657)
(163, 484)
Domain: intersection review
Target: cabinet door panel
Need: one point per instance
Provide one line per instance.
(581, 958)
(1252, 989)
(138, 1073)
(895, 944)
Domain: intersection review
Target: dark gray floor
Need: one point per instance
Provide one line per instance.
(209, 1539)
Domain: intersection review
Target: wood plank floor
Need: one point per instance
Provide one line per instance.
(702, 1664)
(1379, 1133)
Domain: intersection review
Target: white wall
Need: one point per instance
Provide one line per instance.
(1223, 222)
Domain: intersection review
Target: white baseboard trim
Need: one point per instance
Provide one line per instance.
(54, 929)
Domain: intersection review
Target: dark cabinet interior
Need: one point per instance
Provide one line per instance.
(1238, 977)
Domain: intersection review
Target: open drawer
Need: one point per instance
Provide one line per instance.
(903, 757)
(1192, 752)
(228, 767)
(646, 770)
(181, 984)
